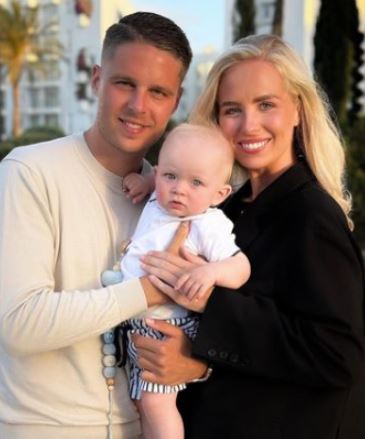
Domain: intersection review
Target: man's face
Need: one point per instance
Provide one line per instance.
(138, 88)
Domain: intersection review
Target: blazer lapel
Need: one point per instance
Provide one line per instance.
(251, 217)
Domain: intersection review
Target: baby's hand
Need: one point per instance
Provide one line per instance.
(136, 187)
(197, 282)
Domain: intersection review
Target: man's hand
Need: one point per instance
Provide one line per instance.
(154, 295)
(167, 361)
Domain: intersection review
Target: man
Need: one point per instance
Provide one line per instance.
(63, 215)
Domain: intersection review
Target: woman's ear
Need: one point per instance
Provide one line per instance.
(298, 112)
(222, 194)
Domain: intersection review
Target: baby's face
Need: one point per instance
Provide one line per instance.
(189, 179)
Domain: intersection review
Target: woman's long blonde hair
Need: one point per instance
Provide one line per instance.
(319, 138)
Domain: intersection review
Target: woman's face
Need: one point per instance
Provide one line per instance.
(256, 112)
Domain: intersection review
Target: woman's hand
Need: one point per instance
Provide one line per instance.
(167, 361)
(165, 269)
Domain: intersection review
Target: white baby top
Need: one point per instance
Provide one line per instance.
(210, 236)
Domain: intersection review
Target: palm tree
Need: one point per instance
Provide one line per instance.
(277, 25)
(20, 44)
(243, 18)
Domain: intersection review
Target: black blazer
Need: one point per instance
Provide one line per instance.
(287, 347)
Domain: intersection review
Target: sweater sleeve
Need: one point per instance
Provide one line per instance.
(33, 316)
(301, 321)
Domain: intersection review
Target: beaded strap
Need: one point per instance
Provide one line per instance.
(109, 371)
(109, 277)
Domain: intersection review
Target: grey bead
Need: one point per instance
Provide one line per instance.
(109, 349)
(108, 336)
(109, 372)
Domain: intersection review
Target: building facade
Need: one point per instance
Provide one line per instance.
(299, 21)
(59, 94)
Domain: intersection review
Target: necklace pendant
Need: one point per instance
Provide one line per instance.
(111, 277)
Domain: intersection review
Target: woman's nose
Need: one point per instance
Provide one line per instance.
(249, 122)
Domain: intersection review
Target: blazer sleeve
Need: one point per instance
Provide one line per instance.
(303, 323)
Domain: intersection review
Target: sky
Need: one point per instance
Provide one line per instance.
(202, 20)
(204, 30)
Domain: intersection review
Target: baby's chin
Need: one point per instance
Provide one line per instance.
(180, 211)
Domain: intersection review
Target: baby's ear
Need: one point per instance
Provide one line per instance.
(155, 170)
(222, 194)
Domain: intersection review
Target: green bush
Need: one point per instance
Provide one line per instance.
(355, 137)
(29, 136)
(153, 152)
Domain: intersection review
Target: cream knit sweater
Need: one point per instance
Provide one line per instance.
(62, 218)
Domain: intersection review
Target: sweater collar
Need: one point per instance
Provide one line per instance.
(100, 173)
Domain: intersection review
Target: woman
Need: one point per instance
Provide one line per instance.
(287, 347)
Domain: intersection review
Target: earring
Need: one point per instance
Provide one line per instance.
(298, 143)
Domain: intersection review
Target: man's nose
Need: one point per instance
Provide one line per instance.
(137, 101)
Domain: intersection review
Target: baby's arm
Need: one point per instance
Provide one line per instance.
(230, 272)
(137, 186)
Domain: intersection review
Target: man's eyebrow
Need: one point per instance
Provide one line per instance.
(123, 77)
(157, 87)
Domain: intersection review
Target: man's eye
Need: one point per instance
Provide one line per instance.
(124, 83)
(159, 93)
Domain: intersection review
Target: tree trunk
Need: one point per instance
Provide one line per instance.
(16, 125)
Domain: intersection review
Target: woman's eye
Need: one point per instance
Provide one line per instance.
(266, 105)
(230, 111)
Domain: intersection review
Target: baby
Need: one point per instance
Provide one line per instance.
(191, 178)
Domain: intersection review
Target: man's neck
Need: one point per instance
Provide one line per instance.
(111, 158)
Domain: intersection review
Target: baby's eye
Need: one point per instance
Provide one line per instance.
(170, 176)
(197, 182)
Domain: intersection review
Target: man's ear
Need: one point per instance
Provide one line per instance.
(222, 194)
(178, 97)
(95, 78)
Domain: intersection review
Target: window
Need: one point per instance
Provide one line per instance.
(51, 97)
(35, 120)
(34, 97)
(51, 120)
